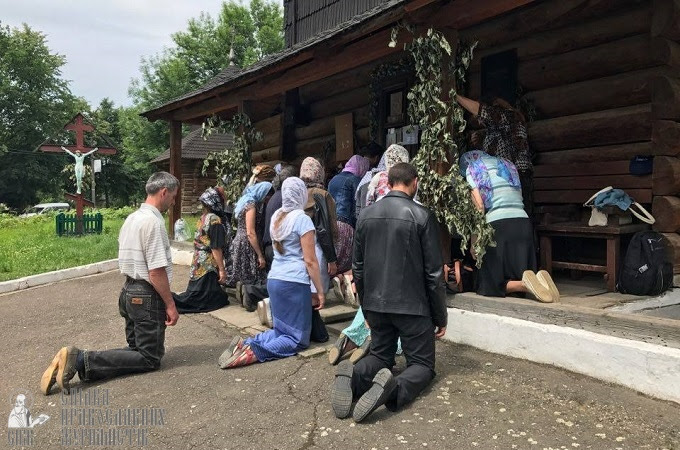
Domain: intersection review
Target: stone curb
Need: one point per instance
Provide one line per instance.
(647, 368)
(57, 275)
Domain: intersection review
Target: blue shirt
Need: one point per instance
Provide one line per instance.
(343, 188)
(506, 200)
(291, 266)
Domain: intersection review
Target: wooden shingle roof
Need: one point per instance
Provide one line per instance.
(195, 147)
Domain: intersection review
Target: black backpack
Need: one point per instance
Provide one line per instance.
(324, 236)
(646, 269)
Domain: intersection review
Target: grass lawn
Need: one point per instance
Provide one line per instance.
(30, 246)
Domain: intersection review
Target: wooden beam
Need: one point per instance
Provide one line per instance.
(462, 14)
(666, 176)
(615, 126)
(666, 137)
(666, 97)
(580, 196)
(583, 169)
(625, 89)
(666, 211)
(666, 19)
(595, 154)
(341, 103)
(175, 212)
(594, 183)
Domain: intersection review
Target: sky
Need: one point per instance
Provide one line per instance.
(104, 40)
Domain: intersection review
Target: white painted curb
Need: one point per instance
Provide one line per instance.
(647, 368)
(181, 257)
(58, 275)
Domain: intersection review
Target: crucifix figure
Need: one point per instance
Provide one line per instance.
(79, 158)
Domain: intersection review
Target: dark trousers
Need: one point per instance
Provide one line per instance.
(257, 292)
(417, 341)
(144, 314)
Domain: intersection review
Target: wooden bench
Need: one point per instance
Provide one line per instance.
(612, 234)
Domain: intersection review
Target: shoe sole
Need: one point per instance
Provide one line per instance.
(350, 297)
(532, 283)
(61, 381)
(49, 377)
(335, 352)
(360, 352)
(341, 395)
(262, 312)
(545, 278)
(383, 384)
(337, 289)
(239, 293)
(226, 356)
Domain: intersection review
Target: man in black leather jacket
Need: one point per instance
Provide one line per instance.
(397, 269)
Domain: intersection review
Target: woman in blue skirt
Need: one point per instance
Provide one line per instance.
(294, 265)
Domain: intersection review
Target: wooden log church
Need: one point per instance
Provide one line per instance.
(599, 77)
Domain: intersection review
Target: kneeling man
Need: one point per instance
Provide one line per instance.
(397, 269)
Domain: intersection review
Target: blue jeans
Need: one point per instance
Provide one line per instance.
(144, 314)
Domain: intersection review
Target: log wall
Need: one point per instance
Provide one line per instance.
(604, 79)
(194, 183)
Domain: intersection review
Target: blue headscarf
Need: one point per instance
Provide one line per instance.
(252, 194)
(472, 164)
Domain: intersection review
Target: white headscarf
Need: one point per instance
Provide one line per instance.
(293, 201)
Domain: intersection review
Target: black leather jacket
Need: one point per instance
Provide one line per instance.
(397, 261)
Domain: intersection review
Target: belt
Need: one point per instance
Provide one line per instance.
(129, 280)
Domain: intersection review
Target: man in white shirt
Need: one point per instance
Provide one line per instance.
(145, 301)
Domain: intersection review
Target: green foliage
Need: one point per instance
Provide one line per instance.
(35, 102)
(441, 120)
(233, 164)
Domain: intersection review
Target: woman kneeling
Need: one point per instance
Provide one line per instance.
(294, 264)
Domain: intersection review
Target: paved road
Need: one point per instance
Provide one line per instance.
(478, 400)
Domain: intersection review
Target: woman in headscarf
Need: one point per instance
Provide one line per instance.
(510, 266)
(362, 188)
(204, 293)
(378, 188)
(248, 262)
(262, 173)
(342, 188)
(294, 265)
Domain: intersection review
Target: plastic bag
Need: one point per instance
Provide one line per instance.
(181, 232)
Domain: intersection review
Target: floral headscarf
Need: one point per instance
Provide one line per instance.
(213, 200)
(312, 173)
(252, 194)
(294, 198)
(261, 173)
(357, 165)
(378, 187)
(479, 172)
(369, 175)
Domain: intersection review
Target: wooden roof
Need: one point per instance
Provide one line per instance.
(195, 147)
(355, 42)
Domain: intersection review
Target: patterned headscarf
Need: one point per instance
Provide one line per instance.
(479, 172)
(213, 200)
(395, 154)
(378, 187)
(357, 165)
(312, 173)
(261, 173)
(252, 194)
(369, 175)
(294, 198)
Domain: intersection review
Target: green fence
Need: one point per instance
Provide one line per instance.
(69, 224)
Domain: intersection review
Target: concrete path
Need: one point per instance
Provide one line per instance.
(478, 400)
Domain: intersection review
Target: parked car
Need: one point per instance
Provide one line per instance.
(43, 208)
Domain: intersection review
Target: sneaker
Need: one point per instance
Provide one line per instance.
(226, 356)
(361, 351)
(383, 386)
(341, 392)
(337, 288)
(67, 367)
(243, 357)
(350, 297)
(264, 313)
(537, 289)
(545, 278)
(49, 377)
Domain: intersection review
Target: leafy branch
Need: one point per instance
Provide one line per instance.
(233, 164)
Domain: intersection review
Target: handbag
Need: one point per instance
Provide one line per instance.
(321, 220)
(600, 219)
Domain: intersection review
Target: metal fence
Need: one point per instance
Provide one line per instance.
(70, 224)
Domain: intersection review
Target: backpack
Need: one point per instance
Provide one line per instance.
(321, 220)
(646, 269)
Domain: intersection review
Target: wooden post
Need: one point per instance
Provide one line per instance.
(176, 169)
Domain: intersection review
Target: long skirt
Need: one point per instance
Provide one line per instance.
(202, 295)
(514, 253)
(290, 304)
(343, 249)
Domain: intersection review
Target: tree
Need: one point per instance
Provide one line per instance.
(35, 102)
(241, 35)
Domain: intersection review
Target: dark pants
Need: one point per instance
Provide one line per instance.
(144, 314)
(257, 292)
(417, 341)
